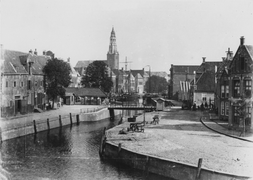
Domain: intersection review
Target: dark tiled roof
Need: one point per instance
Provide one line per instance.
(12, 62)
(206, 82)
(86, 63)
(185, 68)
(38, 63)
(135, 72)
(89, 92)
(221, 68)
(209, 66)
(250, 50)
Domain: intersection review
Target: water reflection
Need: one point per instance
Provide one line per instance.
(64, 153)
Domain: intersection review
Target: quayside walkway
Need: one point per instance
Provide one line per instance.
(181, 137)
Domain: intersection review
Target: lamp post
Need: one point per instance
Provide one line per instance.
(149, 89)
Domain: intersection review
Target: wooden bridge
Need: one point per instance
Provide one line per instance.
(131, 107)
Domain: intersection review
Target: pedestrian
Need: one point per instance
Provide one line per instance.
(202, 106)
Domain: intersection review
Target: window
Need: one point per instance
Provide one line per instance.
(14, 84)
(222, 108)
(227, 91)
(236, 88)
(227, 109)
(22, 84)
(29, 85)
(247, 87)
(6, 84)
(222, 91)
(248, 112)
(242, 61)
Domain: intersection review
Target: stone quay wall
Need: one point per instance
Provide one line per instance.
(33, 127)
(164, 167)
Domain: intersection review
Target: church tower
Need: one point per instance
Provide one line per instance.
(113, 54)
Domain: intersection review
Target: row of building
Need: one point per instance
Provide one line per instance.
(225, 85)
(23, 81)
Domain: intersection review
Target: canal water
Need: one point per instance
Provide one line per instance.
(70, 152)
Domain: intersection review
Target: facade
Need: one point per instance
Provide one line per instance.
(180, 73)
(22, 82)
(240, 87)
(203, 91)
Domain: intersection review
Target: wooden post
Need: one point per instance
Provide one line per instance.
(35, 128)
(60, 122)
(48, 125)
(70, 116)
(77, 119)
(1, 140)
(199, 168)
(119, 148)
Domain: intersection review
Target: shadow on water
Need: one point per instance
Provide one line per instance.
(70, 152)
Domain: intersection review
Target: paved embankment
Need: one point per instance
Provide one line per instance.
(32, 123)
(181, 137)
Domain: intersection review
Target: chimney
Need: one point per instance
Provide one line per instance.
(35, 52)
(31, 51)
(44, 52)
(204, 59)
(229, 54)
(68, 60)
(242, 41)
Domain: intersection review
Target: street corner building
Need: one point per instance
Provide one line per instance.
(22, 81)
(234, 87)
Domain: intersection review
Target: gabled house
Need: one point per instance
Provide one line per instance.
(240, 86)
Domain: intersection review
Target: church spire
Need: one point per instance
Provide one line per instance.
(113, 54)
(113, 45)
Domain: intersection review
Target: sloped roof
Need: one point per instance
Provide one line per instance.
(12, 62)
(206, 82)
(135, 72)
(209, 66)
(250, 50)
(89, 92)
(85, 63)
(184, 68)
(221, 68)
(38, 63)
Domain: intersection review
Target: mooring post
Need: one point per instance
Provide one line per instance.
(147, 164)
(35, 128)
(77, 119)
(119, 148)
(60, 122)
(70, 117)
(48, 125)
(199, 168)
(1, 140)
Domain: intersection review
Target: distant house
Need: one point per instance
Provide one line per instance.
(86, 96)
(204, 83)
(183, 73)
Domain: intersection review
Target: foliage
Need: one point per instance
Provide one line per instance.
(58, 77)
(157, 84)
(97, 76)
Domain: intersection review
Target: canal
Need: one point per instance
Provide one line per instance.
(70, 152)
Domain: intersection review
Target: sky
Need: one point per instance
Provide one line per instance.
(157, 33)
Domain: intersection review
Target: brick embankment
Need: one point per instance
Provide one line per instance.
(182, 138)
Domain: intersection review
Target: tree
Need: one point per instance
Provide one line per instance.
(156, 84)
(57, 73)
(97, 76)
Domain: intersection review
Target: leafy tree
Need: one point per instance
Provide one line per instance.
(97, 76)
(156, 84)
(58, 77)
